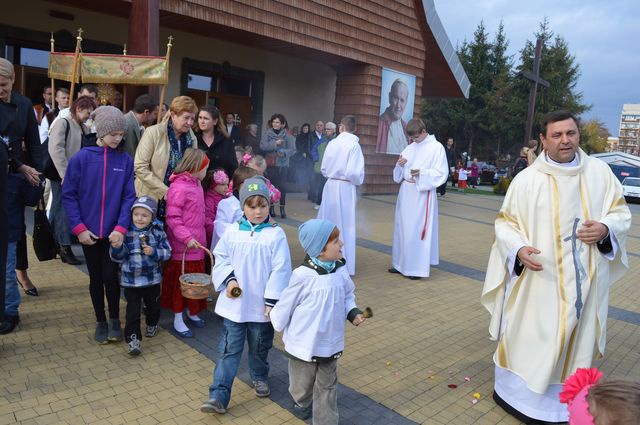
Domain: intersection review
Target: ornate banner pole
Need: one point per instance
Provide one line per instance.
(124, 87)
(76, 61)
(169, 44)
(53, 88)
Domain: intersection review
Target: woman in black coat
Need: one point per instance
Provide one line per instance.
(214, 140)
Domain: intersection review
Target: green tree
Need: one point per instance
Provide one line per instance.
(593, 136)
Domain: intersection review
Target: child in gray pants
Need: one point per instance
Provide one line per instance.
(311, 312)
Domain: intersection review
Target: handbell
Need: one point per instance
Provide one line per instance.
(367, 313)
(236, 292)
(143, 239)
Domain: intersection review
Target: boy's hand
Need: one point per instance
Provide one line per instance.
(147, 250)
(230, 285)
(402, 161)
(358, 320)
(116, 238)
(267, 310)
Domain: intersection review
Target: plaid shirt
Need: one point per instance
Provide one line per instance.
(140, 270)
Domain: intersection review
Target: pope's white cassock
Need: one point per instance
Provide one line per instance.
(343, 166)
(415, 232)
(551, 322)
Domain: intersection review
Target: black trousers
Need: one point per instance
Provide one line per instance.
(134, 296)
(22, 263)
(315, 194)
(278, 177)
(4, 225)
(103, 278)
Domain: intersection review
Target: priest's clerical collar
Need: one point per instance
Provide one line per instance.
(573, 163)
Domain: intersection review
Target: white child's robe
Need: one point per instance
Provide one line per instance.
(261, 263)
(343, 166)
(415, 232)
(312, 312)
(228, 213)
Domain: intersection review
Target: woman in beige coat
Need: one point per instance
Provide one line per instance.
(161, 148)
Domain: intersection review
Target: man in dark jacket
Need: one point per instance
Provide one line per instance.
(25, 159)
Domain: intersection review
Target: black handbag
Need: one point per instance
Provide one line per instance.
(44, 244)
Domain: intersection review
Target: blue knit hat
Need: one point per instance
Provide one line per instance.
(314, 234)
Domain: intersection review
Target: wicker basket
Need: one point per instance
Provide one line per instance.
(196, 286)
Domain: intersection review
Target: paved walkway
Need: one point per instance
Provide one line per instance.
(425, 336)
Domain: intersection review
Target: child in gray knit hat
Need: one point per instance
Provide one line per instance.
(109, 120)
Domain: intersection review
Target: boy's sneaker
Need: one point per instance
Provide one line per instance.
(261, 388)
(134, 346)
(213, 406)
(102, 330)
(151, 331)
(300, 412)
(115, 332)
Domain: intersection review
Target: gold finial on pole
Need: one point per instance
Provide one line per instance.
(80, 31)
(124, 51)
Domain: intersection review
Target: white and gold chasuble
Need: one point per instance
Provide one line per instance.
(550, 322)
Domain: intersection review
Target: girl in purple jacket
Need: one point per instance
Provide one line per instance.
(97, 194)
(186, 232)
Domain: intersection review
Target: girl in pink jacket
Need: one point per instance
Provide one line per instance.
(216, 188)
(185, 219)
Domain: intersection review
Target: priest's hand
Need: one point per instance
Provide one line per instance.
(525, 255)
(402, 161)
(592, 232)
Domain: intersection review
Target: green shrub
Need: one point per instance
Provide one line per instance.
(501, 187)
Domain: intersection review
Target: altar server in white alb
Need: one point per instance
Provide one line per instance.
(312, 312)
(343, 166)
(252, 256)
(559, 246)
(422, 167)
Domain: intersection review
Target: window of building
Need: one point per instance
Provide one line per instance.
(201, 82)
(34, 57)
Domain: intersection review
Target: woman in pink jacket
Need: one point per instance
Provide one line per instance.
(185, 231)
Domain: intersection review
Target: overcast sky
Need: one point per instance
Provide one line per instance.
(604, 36)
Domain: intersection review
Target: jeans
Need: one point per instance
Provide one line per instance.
(57, 216)
(134, 296)
(260, 339)
(12, 293)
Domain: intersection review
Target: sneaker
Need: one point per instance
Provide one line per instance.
(134, 346)
(300, 412)
(151, 331)
(102, 331)
(115, 333)
(213, 406)
(261, 388)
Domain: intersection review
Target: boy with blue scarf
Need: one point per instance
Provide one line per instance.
(311, 312)
(252, 266)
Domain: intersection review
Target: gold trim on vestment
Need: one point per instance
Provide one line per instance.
(567, 358)
(563, 314)
(502, 354)
(504, 216)
(619, 202)
(584, 200)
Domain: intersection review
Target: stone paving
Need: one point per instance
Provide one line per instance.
(396, 369)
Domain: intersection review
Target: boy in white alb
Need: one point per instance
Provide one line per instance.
(312, 311)
(252, 256)
(343, 166)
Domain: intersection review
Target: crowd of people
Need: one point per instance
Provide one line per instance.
(147, 201)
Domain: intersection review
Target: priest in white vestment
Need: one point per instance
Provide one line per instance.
(560, 244)
(422, 167)
(343, 166)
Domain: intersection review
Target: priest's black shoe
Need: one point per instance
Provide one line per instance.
(272, 211)
(67, 256)
(9, 324)
(282, 213)
(413, 277)
(392, 270)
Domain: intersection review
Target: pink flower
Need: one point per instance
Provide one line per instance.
(126, 67)
(576, 382)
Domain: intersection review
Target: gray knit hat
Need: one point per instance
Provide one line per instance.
(108, 119)
(254, 186)
(147, 203)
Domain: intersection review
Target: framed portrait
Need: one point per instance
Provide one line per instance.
(397, 98)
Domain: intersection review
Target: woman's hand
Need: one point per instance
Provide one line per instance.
(87, 238)
(31, 174)
(279, 142)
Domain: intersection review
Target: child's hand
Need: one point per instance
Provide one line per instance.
(230, 285)
(267, 310)
(402, 161)
(193, 244)
(87, 238)
(116, 238)
(147, 250)
(358, 320)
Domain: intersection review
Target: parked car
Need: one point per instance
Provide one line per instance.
(502, 172)
(631, 188)
(486, 172)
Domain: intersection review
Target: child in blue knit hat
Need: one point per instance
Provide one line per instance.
(311, 312)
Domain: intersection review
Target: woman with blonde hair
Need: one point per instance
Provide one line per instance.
(532, 153)
(161, 149)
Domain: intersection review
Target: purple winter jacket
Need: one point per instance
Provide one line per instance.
(98, 191)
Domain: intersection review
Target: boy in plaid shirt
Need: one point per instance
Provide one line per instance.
(144, 247)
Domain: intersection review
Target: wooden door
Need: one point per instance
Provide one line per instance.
(240, 106)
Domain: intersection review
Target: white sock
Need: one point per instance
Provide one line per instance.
(178, 323)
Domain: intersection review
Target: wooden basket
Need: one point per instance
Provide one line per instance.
(196, 286)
